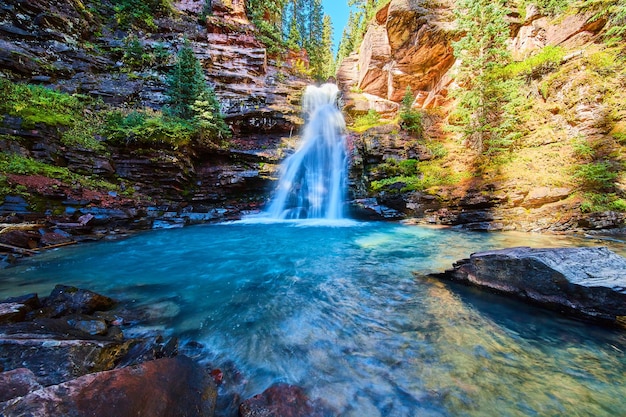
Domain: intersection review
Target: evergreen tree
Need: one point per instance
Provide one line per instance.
(302, 11)
(349, 41)
(294, 37)
(267, 16)
(190, 98)
(357, 25)
(411, 119)
(315, 44)
(185, 83)
(483, 94)
(327, 61)
(294, 25)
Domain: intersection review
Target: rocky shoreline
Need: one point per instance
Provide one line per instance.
(67, 354)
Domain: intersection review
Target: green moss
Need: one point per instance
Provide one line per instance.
(431, 174)
(18, 164)
(367, 121)
(393, 168)
(539, 64)
(36, 104)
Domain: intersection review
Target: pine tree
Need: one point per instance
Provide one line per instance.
(327, 61)
(190, 98)
(186, 83)
(357, 25)
(315, 43)
(267, 16)
(411, 119)
(482, 51)
(349, 39)
(294, 38)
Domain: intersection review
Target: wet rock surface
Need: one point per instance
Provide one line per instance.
(585, 282)
(66, 354)
(164, 387)
(283, 400)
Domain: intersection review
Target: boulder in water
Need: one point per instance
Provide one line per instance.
(282, 400)
(586, 282)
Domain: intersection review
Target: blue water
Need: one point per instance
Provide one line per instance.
(339, 311)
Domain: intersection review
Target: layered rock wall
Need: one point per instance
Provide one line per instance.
(64, 46)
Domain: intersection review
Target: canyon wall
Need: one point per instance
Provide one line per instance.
(69, 47)
(409, 44)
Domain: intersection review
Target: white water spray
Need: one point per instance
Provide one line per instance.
(313, 180)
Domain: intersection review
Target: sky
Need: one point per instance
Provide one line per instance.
(338, 11)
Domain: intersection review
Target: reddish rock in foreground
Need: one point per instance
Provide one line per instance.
(282, 400)
(165, 387)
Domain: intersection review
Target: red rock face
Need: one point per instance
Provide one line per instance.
(408, 44)
(538, 31)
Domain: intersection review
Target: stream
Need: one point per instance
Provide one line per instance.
(345, 310)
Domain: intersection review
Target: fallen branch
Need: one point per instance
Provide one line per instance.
(23, 251)
(58, 245)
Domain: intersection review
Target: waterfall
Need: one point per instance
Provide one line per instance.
(312, 181)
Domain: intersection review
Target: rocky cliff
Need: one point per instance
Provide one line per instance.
(572, 123)
(407, 44)
(80, 48)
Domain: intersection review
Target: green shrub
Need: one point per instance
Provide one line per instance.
(436, 149)
(140, 13)
(620, 137)
(537, 65)
(550, 7)
(412, 120)
(596, 175)
(618, 205)
(582, 149)
(148, 127)
(136, 56)
(85, 131)
(431, 174)
(594, 202)
(394, 168)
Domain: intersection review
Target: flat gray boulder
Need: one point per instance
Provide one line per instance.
(588, 282)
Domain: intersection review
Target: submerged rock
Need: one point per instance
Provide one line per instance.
(282, 400)
(17, 383)
(66, 300)
(587, 282)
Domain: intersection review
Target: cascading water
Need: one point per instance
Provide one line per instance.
(313, 180)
